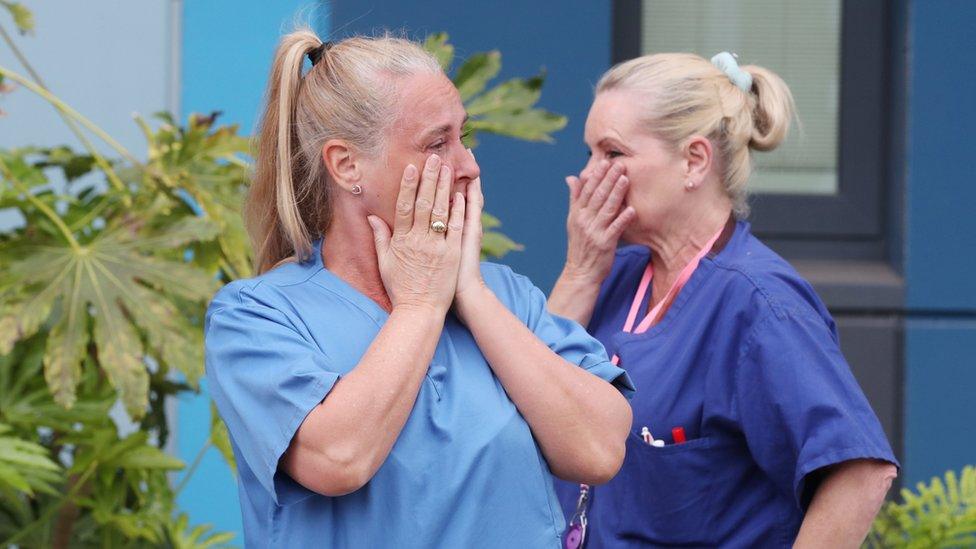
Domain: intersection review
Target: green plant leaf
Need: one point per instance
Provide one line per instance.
(437, 45)
(25, 465)
(941, 513)
(220, 438)
(532, 125)
(475, 73)
(512, 96)
(149, 457)
(114, 279)
(23, 18)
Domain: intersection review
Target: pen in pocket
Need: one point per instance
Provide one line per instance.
(646, 435)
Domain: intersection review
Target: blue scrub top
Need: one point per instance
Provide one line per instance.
(465, 470)
(747, 361)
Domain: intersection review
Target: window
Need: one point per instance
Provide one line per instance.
(824, 184)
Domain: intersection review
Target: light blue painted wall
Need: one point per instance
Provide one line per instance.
(227, 51)
(940, 240)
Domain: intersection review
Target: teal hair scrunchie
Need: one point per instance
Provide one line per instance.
(727, 63)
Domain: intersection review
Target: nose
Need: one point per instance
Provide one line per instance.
(465, 166)
(591, 165)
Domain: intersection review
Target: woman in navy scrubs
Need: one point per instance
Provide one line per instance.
(749, 429)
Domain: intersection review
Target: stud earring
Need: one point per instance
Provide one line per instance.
(689, 185)
(357, 190)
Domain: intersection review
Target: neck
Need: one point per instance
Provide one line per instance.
(676, 246)
(349, 252)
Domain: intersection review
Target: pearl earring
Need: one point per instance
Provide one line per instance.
(357, 190)
(689, 185)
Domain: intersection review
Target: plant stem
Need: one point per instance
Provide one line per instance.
(67, 110)
(99, 159)
(54, 217)
(193, 467)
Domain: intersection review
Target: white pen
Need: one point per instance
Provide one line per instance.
(646, 433)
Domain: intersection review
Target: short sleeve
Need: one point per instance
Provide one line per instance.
(265, 378)
(570, 340)
(799, 405)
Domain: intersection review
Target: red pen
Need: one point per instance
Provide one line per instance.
(678, 434)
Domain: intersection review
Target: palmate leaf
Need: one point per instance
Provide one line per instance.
(208, 165)
(475, 73)
(530, 125)
(115, 283)
(437, 45)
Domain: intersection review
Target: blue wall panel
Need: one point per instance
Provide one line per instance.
(227, 51)
(523, 181)
(941, 201)
(940, 341)
(940, 431)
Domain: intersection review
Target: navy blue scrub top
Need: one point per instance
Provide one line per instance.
(748, 362)
(465, 470)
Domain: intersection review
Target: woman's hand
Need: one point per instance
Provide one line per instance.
(470, 282)
(595, 221)
(594, 226)
(419, 266)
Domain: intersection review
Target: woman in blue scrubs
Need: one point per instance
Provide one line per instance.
(749, 429)
(381, 386)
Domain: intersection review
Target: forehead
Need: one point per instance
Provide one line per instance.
(615, 113)
(427, 101)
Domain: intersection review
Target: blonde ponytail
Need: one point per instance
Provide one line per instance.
(774, 109)
(347, 94)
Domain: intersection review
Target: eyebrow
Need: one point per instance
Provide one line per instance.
(444, 129)
(611, 141)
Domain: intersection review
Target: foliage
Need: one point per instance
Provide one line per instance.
(941, 513)
(103, 288)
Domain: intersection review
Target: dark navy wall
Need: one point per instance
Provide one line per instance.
(524, 182)
(940, 239)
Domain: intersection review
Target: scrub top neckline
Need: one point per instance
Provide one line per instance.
(345, 289)
(705, 267)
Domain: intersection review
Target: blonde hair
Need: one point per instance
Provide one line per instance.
(349, 94)
(688, 95)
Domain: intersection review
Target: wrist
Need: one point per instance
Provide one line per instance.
(579, 278)
(419, 310)
(469, 299)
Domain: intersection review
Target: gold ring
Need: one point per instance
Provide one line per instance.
(438, 227)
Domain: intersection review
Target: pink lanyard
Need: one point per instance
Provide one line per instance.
(645, 283)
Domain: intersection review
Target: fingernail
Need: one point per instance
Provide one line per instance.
(623, 180)
(445, 170)
(410, 172)
(433, 161)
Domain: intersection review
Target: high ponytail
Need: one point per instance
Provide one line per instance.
(347, 94)
(774, 109)
(271, 210)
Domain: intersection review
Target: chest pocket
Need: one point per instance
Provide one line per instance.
(667, 496)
